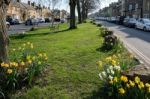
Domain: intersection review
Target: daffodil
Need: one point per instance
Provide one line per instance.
(39, 62)
(115, 79)
(28, 57)
(132, 84)
(4, 65)
(124, 79)
(148, 90)
(121, 91)
(29, 61)
(141, 85)
(33, 58)
(9, 71)
(31, 46)
(22, 63)
(128, 85)
(147, 85)
(137, 80)
(111, 82)
(100, 64)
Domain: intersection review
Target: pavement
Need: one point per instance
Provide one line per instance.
(137, 41)
(22, 28)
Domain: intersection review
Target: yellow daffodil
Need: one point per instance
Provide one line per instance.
(100, 64)
(39, 62)
(137, 80)
(121, 91)
(124, 79)
(31, 46)
(28, 57)
(108, 58)
(128, 85)
(28, 43)
(132, 84)
(46, 58)
(111, 82)
(115, 79)
(24, 44)
(22, 63)
(14, 64)
(40, 54)
(29, 61)
(147, 85)
(33, 58)
(141, 85)
(9, 71)
(114, 62)
(4, 65)
(14, 49)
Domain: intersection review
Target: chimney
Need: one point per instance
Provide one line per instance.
(33, 4)
(29, 3)
(18, 0)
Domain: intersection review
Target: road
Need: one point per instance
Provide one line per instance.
(137, 41)
(22, 28)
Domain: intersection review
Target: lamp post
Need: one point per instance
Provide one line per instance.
(142, 9)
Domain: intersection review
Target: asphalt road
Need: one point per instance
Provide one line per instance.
(22, 28)
(137, 41)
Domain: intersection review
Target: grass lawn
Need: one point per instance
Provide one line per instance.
(73, 73)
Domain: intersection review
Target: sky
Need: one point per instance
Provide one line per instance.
(64, 5)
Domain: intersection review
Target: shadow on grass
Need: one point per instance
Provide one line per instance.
(97, 94)
(21, 36)
(103, 49)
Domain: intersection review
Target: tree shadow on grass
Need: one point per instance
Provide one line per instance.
(96, 94)
(21, 36)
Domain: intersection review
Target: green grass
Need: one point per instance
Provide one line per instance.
(73, 73)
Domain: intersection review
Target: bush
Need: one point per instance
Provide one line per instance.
(99, 25)
(104, 32)
(23, 66)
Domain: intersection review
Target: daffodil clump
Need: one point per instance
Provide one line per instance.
(24, 64)
(120, 86)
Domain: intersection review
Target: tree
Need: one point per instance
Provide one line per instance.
(4, 38)
(79, 12)
(72, 4)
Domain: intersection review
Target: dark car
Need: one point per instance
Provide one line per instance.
(47, 20)
(31, 21)
(16, 21)
(120, 20)
(10, 20)
(125, 22)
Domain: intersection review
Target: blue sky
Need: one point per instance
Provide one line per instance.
(65, 6)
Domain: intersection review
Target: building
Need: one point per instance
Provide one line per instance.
(23, 11)
(146, 9)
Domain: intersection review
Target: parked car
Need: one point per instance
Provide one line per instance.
(129, 22)
(125, 21)
(112, 19)
(31, 21)
(7, 25)
(47, 20)
(120, 19)
(41, 20)
(15, 21)
(10, 20)
(143, 24)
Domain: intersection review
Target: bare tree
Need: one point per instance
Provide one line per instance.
(72, 4)
(4, 39)
(79, 12)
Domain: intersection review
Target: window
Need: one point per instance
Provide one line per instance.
(130, 7)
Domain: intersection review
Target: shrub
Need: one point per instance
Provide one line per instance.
(104, 32)
(23, 66)
(99, 25)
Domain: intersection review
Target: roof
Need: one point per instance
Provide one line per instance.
(22, 5)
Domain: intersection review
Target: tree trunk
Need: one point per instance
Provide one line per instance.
(4, 39)
(79, 12)
(83, 12)
(72, 14)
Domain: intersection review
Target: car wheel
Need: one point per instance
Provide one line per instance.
(144, 29)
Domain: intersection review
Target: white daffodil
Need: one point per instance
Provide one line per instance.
(110, 77)
(117, 68)
(111, 67)
(108, 71)
(112, 72)
(100, 76)
(104, 74)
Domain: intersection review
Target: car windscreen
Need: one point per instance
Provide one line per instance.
(146, 20)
